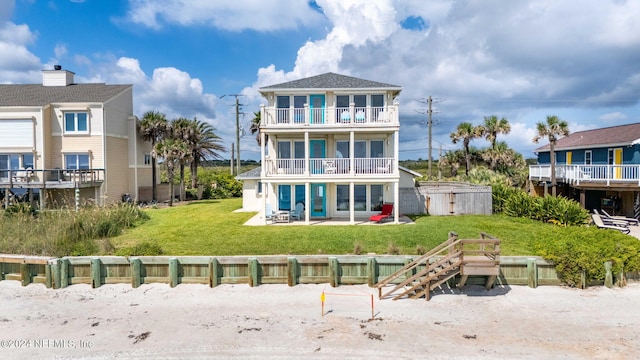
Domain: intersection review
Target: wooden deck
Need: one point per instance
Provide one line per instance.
(51, 178)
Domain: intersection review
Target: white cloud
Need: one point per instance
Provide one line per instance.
(235, 15)
(613, 117)
(17, 63)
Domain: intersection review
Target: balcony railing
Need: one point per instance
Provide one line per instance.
(35, 178)
(575, 174)
(330, 116)
(329, 166)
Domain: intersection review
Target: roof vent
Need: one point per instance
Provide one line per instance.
(57, 67)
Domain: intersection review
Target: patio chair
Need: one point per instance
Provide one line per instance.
(630, 221)
(269, 214)
(597, 220)
(298, 212)
(387, 210)
(609, 221)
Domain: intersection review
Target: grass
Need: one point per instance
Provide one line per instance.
(211, 227)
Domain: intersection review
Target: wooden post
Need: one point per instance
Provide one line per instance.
(96, 272)
(583, 279)
(292, 271)
(55, 273)
(25, 274)
(254, 273)
(48, 283)
(608, 275)
(64, 273)
(173, 272)
(621, 280)
(334, 276)
(136, 272)
(213, 273)
(532, 273)
(372, 275)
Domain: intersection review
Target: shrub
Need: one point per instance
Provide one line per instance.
(357, 248)
(393, 249)
(574, 252)
(499, 194)
(520, 204)
(561, 211)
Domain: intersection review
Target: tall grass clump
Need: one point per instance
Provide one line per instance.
(585, 251)
(65, 232)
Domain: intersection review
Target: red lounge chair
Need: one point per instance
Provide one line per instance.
(387, 209)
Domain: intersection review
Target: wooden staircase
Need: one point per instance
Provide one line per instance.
(444, 262)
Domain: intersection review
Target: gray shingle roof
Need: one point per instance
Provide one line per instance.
(618, 135)
(38, 95)
(330, 81)
(251, 174)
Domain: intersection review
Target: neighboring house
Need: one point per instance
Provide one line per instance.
(600, 168)
(330, 142)
(71, 144)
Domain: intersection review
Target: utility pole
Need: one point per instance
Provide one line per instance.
(429, 101)
(429, 124)
(232, 155)
(237, 134)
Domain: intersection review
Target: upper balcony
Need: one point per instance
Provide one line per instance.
(330, 116)
(593, 175)
(331, 167)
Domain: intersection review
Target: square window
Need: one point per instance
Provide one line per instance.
(76, 161)
(76, 122)
(147, 159)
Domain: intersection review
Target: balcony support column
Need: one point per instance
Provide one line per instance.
(351, 203)
(351, 150)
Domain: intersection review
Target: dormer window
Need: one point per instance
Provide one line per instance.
(76, 123)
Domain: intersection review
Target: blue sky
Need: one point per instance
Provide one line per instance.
(523, 60)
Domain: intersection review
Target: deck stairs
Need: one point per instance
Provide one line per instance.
(453, 259)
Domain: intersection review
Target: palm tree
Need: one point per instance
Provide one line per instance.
(204, 145)
(492, 127)
(553, 128)
(152, 127)
(466, 132)
(182, 129)
(255, 125)
(172, 151)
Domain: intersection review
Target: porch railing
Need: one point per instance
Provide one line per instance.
(575, 174)
(34, 177)
(330, 115)
(330, 166)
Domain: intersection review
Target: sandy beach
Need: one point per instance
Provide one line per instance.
(280, 322)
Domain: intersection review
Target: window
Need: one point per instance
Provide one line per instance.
(298, 149)
(360, 100)
(342, 197)
(284, 150)
(365, 197)
(27, 161)
(376, 198)
(283, 104)
(76, 122)
(259, 187)
(360, 197)
(587, 157)
(147, 159)
(377, 100)
(342, 101)
(377, 148)
(76, 161)
(360, 149)
(342, 149)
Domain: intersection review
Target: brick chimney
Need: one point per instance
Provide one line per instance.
(57, 77)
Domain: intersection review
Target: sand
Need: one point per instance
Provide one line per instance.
(280, 322)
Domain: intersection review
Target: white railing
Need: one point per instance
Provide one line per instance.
(588, 173)
(330, 116)
(330, 166)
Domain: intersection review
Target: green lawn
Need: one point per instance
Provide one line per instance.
(212, 228)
